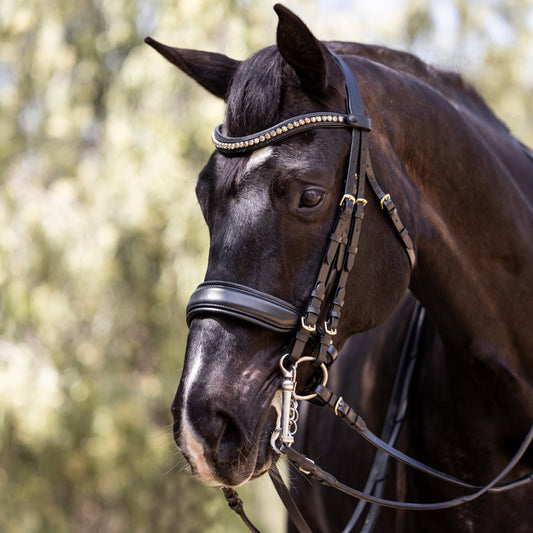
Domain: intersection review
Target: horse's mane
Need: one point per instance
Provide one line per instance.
(449, 84)
(256, 90)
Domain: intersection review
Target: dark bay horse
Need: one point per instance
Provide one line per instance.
(464, 188)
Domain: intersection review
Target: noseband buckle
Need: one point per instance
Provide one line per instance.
(308, 327)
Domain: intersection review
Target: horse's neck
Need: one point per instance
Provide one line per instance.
(475, 254)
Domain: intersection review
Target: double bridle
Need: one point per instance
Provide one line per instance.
(317, 325)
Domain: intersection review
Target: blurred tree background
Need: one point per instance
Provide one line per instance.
(101, 240)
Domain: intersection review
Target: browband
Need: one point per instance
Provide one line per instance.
(282, 130)
(222, 297)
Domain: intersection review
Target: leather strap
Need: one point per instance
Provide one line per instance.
(354, 104)
(283, 492)
(309, 467)
(388, 206)
(394, 419)
(340, 252)
(222, 297)
(236, 505)
(354, 421)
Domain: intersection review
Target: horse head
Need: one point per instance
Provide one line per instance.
(269, 214)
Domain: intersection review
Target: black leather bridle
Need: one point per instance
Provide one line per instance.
(220, 297)
(325, 303)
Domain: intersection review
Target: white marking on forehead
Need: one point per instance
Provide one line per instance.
(245, 218)
(258, 158)
(286, 160)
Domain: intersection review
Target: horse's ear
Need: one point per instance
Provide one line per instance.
(212, 71)
(309, 58)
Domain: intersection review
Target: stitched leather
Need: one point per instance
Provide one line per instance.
(239, 301)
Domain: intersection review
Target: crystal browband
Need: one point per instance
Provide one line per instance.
(250, 143)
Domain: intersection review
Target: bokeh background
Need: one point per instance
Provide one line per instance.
(101, 240)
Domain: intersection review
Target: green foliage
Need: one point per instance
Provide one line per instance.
(101, 240)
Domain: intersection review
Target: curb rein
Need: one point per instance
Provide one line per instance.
(239, 301)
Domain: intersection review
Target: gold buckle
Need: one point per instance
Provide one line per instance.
(353, 199)
(331, 332)
(307, 327)
(348, 197)
(337, 405)
(384, 199)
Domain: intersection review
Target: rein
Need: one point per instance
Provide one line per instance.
(326, 302)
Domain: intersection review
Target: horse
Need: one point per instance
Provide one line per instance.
(453, 229)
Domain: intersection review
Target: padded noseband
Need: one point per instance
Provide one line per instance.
(239, 301)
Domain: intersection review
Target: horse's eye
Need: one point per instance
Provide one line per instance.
(311, 197)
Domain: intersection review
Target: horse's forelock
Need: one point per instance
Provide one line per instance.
(255, 94)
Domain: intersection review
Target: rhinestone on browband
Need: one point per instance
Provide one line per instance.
(250, 143)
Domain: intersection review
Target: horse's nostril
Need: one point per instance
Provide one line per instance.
(229, 438)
